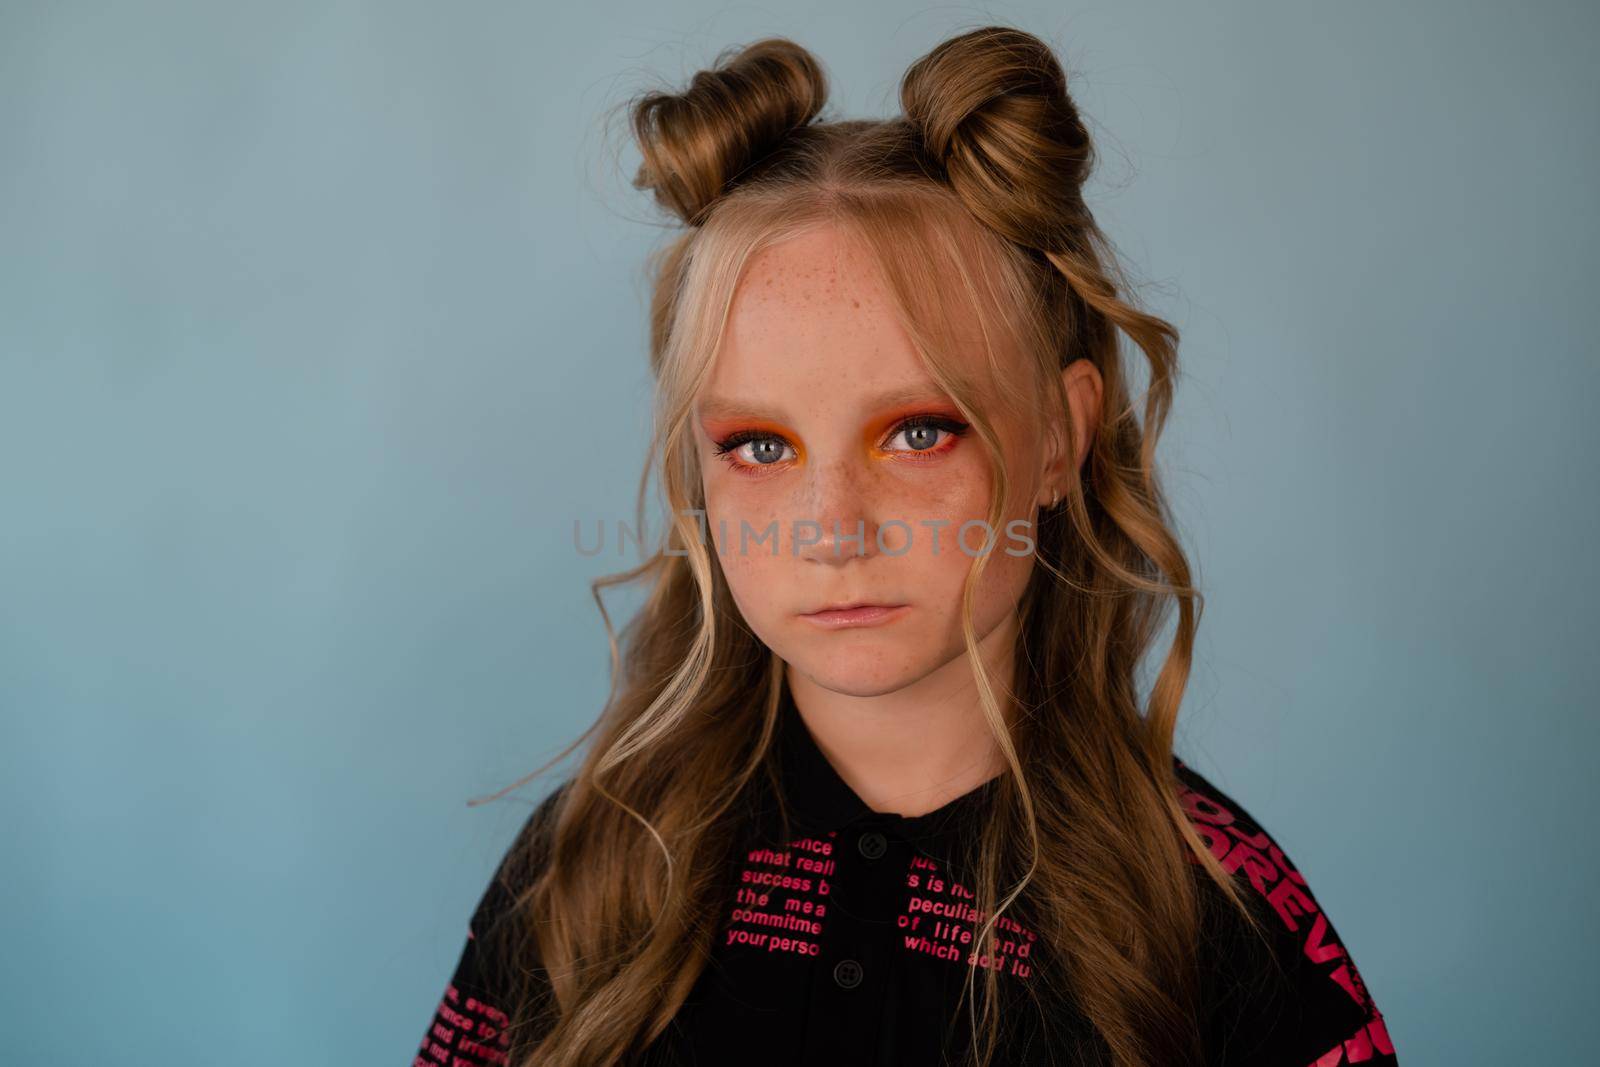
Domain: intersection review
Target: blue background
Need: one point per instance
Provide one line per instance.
(319, 324)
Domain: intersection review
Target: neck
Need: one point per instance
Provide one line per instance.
(915, 749)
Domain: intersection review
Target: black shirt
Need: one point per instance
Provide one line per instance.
(847, 944)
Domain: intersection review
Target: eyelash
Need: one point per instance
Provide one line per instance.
(726, 448)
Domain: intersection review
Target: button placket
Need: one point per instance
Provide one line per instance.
(851, 987)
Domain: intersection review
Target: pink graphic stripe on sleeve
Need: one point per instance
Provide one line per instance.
(465, 1032)
(1368, 1042)
(1247, 850)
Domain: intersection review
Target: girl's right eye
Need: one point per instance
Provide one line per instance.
(765, 450)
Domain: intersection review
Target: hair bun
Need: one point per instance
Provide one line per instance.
(993, 111)
(698, 143)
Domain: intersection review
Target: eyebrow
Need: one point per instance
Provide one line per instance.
(716, 407)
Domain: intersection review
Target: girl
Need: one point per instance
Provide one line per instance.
(874, 784)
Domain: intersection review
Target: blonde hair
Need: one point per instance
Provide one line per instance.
(971, 202)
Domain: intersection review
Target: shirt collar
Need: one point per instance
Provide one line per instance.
(820, 801)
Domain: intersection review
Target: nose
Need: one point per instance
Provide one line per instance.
(836, 522)
(835, 541)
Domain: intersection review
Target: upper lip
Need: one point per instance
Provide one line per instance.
(852, 605)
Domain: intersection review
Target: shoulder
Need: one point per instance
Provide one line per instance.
(497, 969)
(524, 861)
(1297, 998)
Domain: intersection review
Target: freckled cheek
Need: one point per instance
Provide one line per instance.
(755, 573)
(731, 501)
(766, 588)
(936, 511)
(740, 529)
(938, 584)
(1006, 578)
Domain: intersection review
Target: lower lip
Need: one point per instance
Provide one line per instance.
(867, 616)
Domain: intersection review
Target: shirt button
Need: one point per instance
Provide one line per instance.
(872, 844)
(847, 973)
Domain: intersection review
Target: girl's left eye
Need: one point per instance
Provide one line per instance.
(920, 432)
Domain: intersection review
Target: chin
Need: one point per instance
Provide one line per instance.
(855, 685)
(857, 668)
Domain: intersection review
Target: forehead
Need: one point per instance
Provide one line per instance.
(812, 320)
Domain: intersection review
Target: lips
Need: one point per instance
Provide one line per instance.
(853, 605)
(855, 614)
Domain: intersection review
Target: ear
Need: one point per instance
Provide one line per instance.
(1080, 379)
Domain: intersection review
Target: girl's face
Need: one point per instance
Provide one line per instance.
(819, 423)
